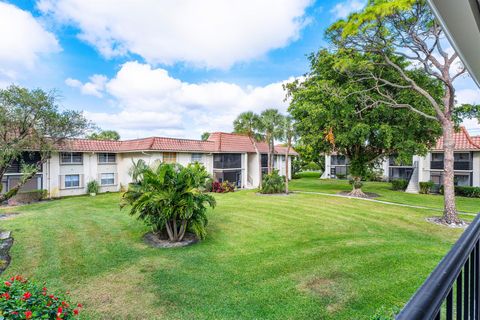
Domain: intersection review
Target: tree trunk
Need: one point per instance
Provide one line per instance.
(175, 230)
(183, 228)
(259, 163)
(450, 212)
(356, 190)
(169, 231)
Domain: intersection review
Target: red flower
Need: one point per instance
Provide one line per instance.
(8, 284)
(6, 295)
(14, 312)
(19, 278)
(26, 295)
(28, 314)
(79, 305)
(75, 312)
(59, 311)
(44, 289)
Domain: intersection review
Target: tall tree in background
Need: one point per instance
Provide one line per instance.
(289, 135)
(271, 124)
(105, 135)
(205, 136)
(249, 124)
(331, 118)
(407, 29)
(30, 121)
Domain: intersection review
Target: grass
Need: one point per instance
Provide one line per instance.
(310, 182)
(266, 257)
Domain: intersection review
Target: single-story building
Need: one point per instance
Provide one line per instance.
(226, 156)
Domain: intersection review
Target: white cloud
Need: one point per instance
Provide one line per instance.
(343, 9)
(94, 87)
(23, 40)
(209, 33)
(151, 102)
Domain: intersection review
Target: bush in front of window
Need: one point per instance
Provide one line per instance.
(273, 183)
(465, 191)
(222, 187)
(93, 187)
(26, 197)
(426, 187)
(23, 299)
(399, 184)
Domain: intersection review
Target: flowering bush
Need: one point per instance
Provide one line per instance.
(222, 187)
(23, 299)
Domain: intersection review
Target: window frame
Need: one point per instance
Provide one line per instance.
(71, 156)
(107, 184)
(107, 155)
(169, 156)
(71, 186)
(193, 160)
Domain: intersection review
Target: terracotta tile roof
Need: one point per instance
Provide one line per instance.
(463, 141)
(217, 142)
(282, 150)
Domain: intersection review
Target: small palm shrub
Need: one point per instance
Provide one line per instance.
(426, 187)
(399, 184)
(273, 183)
(23, 299)
(93, 187)
(169, 198)
(356, 183)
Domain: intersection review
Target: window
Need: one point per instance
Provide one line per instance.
(437, 178)
(71, 158)
(107, 158)
(169, 157)
(107, 179)
(463, 156)
(338, 160)
(197, 157)
(264, 160)
(437, 156)
(462, 180)
(227, 161)
(72, 181)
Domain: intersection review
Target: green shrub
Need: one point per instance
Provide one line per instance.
(341, 176)
(399, 184)
(273, 183)
(23, 299)
(26, 197)
(208, 185)
(426, 187)
(312, 166)
(93, 187)
(465, 191)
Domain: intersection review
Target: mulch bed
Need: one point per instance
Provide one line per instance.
(6, 242)
(439, 221)
(156, 241)
(369, 195)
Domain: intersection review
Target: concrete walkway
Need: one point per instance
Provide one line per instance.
(380, 201)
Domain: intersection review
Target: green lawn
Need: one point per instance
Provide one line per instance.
(310, 182)
(265, 257)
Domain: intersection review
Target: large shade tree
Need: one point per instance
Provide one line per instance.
(332, 118)
(250, 124)
(31, 121)
(407, 29)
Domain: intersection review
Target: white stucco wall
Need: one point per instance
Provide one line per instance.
(253, 173)
(328, 166)
(476, 169)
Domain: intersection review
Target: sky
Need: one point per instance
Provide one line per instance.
(169, 68)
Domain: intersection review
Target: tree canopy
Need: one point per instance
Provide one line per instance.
(105, 135)
(331, 116)
(31, 120)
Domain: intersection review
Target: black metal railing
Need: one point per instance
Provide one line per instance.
(452, 289)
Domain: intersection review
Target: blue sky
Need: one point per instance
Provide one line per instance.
(154, 67)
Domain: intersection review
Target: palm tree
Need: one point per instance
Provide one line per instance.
(271, 125)
(249, 124)
(168, 198)
(289, 134)
(136, 170)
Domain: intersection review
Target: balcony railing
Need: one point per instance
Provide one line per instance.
(452, 289)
